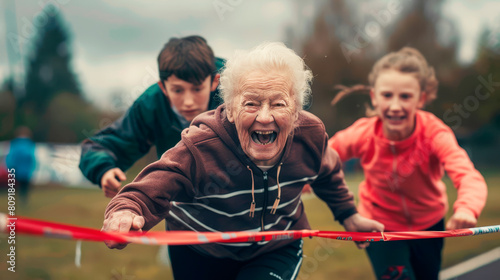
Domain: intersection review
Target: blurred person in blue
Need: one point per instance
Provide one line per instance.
(21, 161)
(187, 86)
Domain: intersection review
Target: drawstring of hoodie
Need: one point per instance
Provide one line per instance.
(252, 206)
(276, 202)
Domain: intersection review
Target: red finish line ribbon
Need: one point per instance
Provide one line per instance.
(21, 225)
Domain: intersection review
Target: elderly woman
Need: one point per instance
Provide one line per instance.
(242, 167)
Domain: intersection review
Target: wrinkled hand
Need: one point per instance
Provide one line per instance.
(461, 220)
(358, 223)
(109, 182)
(122, 221)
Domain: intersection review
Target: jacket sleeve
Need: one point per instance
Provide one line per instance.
(119, 145)
(344, 143)
(470, 184)
(330, 185)
(150, 193)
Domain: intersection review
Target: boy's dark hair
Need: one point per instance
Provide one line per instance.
(189, 59)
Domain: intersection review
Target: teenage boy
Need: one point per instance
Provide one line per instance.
(188, 86)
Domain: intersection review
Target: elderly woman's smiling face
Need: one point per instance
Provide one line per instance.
(264, 113)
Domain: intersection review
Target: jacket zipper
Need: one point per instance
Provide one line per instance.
(396, 179)
(394, 167)
(264, 208)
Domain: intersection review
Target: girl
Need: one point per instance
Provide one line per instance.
(404, 152)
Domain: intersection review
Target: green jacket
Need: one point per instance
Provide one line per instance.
(149, 121)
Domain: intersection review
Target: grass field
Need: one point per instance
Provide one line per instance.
(41, 258)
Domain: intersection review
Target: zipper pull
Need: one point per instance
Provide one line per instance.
(265, 175)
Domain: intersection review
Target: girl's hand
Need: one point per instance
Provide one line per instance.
(359, 223)
(461, 220)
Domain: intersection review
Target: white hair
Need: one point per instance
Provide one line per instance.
(266, 57)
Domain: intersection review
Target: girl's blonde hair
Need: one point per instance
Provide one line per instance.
(407, 60)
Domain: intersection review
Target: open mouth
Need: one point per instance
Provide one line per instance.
(264, 137)
(395, 118)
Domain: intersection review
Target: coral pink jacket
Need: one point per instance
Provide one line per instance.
(402, 187)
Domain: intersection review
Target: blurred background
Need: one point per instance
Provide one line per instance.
(70, 68)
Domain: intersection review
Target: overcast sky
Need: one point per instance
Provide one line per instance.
(115, 42)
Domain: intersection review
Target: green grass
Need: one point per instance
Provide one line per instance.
(43, 258)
